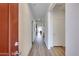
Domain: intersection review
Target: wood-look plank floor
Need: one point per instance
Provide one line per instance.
(39, 49)
(57, 51)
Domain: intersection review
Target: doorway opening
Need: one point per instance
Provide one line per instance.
(59, 27)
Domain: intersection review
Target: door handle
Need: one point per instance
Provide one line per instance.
(16, 44)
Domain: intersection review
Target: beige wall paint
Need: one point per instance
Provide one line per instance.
(25, 36)
(58, 27)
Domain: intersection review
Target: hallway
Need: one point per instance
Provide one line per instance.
(39, 49)
(39, 29)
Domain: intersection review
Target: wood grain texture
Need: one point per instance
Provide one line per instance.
(57, 51)
(13, 11)
(39, 49)
(8, 28)
(4, 29)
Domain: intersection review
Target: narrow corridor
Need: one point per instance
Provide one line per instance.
(39, 49)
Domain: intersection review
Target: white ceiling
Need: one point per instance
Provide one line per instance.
(39, 10)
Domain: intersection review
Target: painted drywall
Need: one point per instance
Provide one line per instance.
(55, 26)
(50, 30)
(45, 29)
(34, 30)
(25, 36)
(72, 29)
(58, 27)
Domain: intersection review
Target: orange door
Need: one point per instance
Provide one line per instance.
(4, 29)
(13, 11)
(8, 29)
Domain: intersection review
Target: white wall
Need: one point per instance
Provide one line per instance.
(25, 36)
(45, 28)
(58, 27)
(50, 30)
(55, 28)
(72, 29)
(34, 30)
